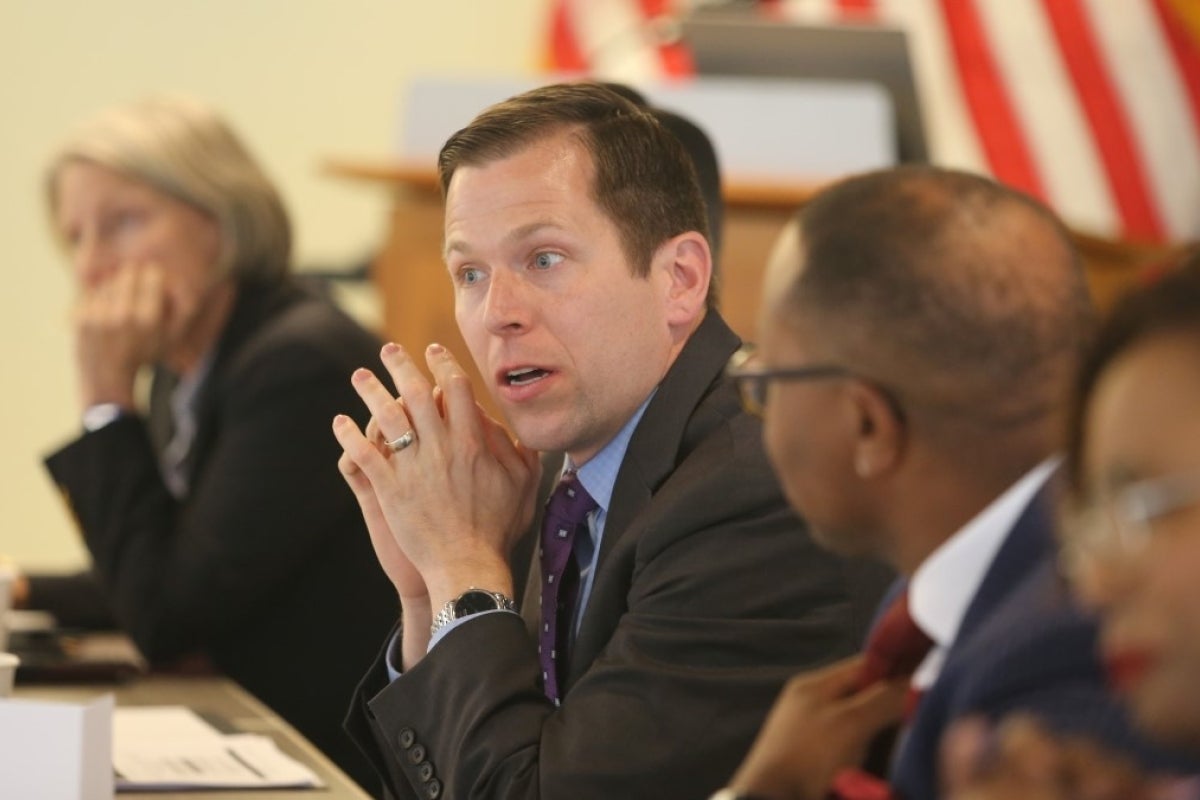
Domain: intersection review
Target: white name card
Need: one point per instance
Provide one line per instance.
(56, 750)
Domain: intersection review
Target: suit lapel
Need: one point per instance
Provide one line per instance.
(663, 433)
(255, 303)
(669, 429)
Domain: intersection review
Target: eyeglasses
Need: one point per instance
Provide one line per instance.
(752, 379)
(1123, 522)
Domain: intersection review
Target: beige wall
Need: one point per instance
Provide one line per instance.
(303, 80)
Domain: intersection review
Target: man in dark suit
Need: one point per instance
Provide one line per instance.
(919, 329)
(575, 242)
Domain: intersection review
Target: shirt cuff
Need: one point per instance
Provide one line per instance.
(101, 414)
(449, 626)
(392, 655)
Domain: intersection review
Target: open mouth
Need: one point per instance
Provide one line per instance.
(524, 376)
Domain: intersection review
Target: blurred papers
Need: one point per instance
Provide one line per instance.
(161, 748)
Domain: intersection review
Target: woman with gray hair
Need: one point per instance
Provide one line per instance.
(216, 522)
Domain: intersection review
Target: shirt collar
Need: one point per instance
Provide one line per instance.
(187, 389)
(599, 474)
(943, 586)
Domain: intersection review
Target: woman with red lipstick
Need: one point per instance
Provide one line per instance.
(1131, 544)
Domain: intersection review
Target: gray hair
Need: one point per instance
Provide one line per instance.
(183, 148)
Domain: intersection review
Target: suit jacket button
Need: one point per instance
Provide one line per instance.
(425, 772)
(417, 754)
(407, 737)
(433, 789)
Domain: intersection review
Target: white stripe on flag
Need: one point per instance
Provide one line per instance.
(1150, 87)
(812, 12)
(615, 40)
(1044, 99)
(949, 129)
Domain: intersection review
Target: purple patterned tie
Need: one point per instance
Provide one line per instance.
(566, 511)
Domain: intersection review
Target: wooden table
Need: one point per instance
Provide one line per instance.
(227, 706)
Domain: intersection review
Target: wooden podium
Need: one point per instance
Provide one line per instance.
(418, 302)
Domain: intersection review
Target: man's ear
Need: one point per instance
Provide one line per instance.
(881, 437)
(685, 264)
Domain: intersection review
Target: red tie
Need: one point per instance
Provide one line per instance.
(895, 648)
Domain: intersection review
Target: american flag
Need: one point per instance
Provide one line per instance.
(1092, 106)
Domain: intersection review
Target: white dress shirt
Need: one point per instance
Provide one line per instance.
(947, 581)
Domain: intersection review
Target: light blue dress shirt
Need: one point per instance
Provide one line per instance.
(599, 476)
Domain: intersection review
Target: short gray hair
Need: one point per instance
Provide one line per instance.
(183, 148)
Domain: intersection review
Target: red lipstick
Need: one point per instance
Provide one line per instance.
(1127, 668)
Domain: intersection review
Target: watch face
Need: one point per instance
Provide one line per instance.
(474, 602)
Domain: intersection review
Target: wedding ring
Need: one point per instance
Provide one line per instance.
(402, 441)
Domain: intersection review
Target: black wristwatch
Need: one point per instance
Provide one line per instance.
(472, 601)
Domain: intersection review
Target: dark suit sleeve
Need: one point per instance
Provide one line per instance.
(181, 574)
(712, 599)
(77, 600)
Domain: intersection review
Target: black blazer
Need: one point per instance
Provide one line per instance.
(708, 595)
(265, 566)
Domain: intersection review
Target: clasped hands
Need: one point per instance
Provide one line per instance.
(444, 512)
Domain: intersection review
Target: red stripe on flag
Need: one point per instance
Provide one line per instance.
(565, 53)
(675, 57)
(1186, 51)
(987, 100)
(1109, 122)
(771, 9)
(857, 10)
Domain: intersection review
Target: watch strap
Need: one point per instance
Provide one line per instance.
(449, 612)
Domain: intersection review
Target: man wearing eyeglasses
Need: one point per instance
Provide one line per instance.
(919, 328)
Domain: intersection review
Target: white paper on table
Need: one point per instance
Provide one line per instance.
(169, 747)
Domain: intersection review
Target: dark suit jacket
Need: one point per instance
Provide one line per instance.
(265, 566)
(1022, 646)
(707, 596)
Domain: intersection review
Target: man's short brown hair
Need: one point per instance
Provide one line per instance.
(644, 179)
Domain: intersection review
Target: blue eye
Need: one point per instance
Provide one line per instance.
(546, 260)
(470, 276)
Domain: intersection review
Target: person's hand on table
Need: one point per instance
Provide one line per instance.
(818, 726)
(18, 588)
(119, 326)
(444, 510)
